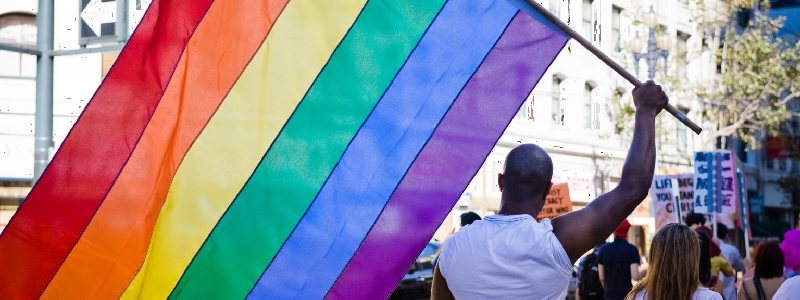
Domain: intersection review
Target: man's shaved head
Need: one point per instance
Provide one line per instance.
(528, 170)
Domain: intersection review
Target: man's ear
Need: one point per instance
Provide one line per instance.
(547, 192)
(544, 197)
(500, 181)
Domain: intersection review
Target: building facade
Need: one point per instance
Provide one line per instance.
(75, 78)
(773, 171)
(571, 112)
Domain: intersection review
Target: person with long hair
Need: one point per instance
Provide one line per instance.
(732, 255)
(673, 273)
(768, 274)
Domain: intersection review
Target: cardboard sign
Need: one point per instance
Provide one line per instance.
(714, 180)
(669, 192)
(557, 202)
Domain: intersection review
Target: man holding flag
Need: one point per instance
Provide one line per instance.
(510, 255)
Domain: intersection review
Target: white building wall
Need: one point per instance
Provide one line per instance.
(75, 79)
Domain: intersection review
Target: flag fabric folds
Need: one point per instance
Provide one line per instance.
(273, 149)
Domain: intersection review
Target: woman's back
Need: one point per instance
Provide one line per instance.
(748, 289)
(701, 293)
(769, 270)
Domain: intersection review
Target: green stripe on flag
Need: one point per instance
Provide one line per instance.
(297, 164)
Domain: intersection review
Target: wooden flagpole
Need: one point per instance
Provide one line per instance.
(610, 62)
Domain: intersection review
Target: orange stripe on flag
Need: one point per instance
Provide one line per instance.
(113, 247)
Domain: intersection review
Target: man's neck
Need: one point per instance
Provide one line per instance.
(512, 203)
(510, 212)
(506, 209)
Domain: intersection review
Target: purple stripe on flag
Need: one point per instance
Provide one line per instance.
(450, 160)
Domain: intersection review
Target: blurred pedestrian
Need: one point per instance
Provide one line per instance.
(707, 278)
(791, 252)
(673, 263)
(719, 265)
(618, 264)
(698, 223)
(589, 286)
(469, 217)
(789, 290)
(512, 256)
(732, 255)
(466, 218)
(768, 274)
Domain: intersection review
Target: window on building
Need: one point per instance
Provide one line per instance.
(526, 110)
(661, 138)
(589, 21)
(555, 7)
(588, 106)
(682, 54)
(19, 30)
(557, 111)
(741, 150)
(682, 133)
(616, 15)
(719, 57)
(613, 106)
(12, 192)
(529, 111)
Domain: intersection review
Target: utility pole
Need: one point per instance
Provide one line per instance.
(43, 118)
(43, 130)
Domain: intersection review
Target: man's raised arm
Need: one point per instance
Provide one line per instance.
(581, 230)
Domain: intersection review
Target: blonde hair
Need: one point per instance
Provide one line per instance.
(674, 258)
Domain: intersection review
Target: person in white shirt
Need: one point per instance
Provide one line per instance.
(511, 255)
(789, 290)
(674, 260)
(732, 255)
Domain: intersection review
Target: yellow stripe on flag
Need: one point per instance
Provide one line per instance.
(225, 153)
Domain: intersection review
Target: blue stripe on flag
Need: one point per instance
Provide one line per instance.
(380, 154)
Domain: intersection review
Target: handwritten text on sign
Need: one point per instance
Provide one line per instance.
(664, 201)
(714, 180)
(557, 202)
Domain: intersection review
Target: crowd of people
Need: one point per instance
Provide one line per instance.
(684, 254)
(512, 255)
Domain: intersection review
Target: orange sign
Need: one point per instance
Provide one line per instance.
(557, 202)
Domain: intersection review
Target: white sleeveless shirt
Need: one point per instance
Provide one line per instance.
(506, 257)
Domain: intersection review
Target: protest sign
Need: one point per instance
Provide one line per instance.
(714, 187)
(557, 202)
(663, 195)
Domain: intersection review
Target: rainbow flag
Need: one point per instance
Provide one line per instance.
(274, 149)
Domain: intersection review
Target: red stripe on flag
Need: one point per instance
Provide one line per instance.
(62, 203)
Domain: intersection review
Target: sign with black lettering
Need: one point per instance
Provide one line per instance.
(714, 182)
(557, 202)
(663, 194)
